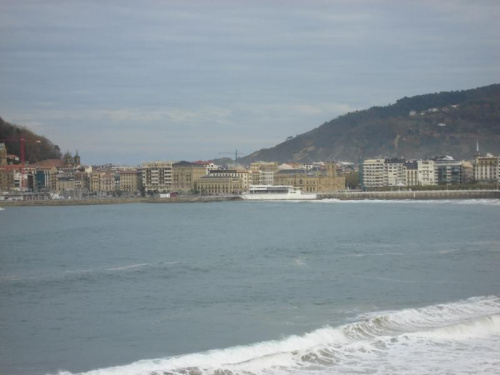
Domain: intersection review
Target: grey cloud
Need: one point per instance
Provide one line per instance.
(231, 70)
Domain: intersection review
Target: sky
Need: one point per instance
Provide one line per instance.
(126, 82)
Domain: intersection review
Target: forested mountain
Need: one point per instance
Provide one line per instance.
(426, 125)
(34, 151)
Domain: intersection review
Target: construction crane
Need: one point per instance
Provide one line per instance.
(235, 155)
(22, 150)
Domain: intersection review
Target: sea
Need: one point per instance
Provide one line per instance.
(251, 288)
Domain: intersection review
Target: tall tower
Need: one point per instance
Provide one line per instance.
(331, 169)
(76, 159)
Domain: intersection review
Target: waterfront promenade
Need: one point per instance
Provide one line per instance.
(417, 195)
(344, 195)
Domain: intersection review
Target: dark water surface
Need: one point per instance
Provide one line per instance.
(92, 287)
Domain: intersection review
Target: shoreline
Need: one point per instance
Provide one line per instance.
(413, 195)
(345, 195)
(91, 202)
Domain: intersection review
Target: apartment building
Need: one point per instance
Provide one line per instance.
(3, 154)
(372, 173)
(6, 178)
(157, 176)
(185, 175)
(394, 174)
(487, 168)
(262, 173)
(426, 173)
(410, 173)
(397, 172)
(130, 180)
(448, 170)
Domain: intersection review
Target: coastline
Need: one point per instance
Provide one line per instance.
(344, 195)
(413, 195)
(88, 202)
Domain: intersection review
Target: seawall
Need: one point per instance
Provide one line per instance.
(403, 195)
(88, 202)
(344, 195)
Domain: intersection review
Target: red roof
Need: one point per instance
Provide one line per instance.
(47, 164)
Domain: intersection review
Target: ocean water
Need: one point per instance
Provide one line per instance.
(324, 287)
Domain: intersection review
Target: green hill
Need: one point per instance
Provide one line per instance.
(417, 127)
(34, 151)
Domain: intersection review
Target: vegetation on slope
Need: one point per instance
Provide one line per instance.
(426, 125)
(34, 151)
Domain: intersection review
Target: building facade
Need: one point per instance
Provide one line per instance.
(157, 176)
(394, 173)
(3, 154)
(242, 174)
(448, 170)
(487, 168)
(411, 173)
(315, 180)
(185, 175)
(130, 180)
(6, 178)
(372, 173)
(426, 173)
(262, 173)
(219, 185)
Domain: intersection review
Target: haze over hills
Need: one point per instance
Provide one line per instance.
(421, 126)
(446, 123)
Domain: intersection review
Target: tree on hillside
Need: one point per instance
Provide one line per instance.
(34, 151)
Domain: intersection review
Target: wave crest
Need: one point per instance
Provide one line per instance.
(351, 347)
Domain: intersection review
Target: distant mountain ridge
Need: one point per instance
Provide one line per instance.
(421, 126)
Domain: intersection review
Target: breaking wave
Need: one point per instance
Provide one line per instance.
(393, 342)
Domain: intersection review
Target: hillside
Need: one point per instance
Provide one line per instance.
(34, 151)
(425, 125)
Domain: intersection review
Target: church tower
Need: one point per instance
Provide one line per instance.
(76, 159)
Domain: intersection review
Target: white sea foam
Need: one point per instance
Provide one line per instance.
(410, 341)
(123, 268)
(373, 255)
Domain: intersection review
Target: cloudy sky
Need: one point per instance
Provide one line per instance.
(131, 81)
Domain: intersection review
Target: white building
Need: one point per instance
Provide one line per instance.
(426, 173)
(394, 173)
(372, 173)
(397, 172)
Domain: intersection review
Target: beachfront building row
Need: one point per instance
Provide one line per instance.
(169, 176)
(442, 170)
